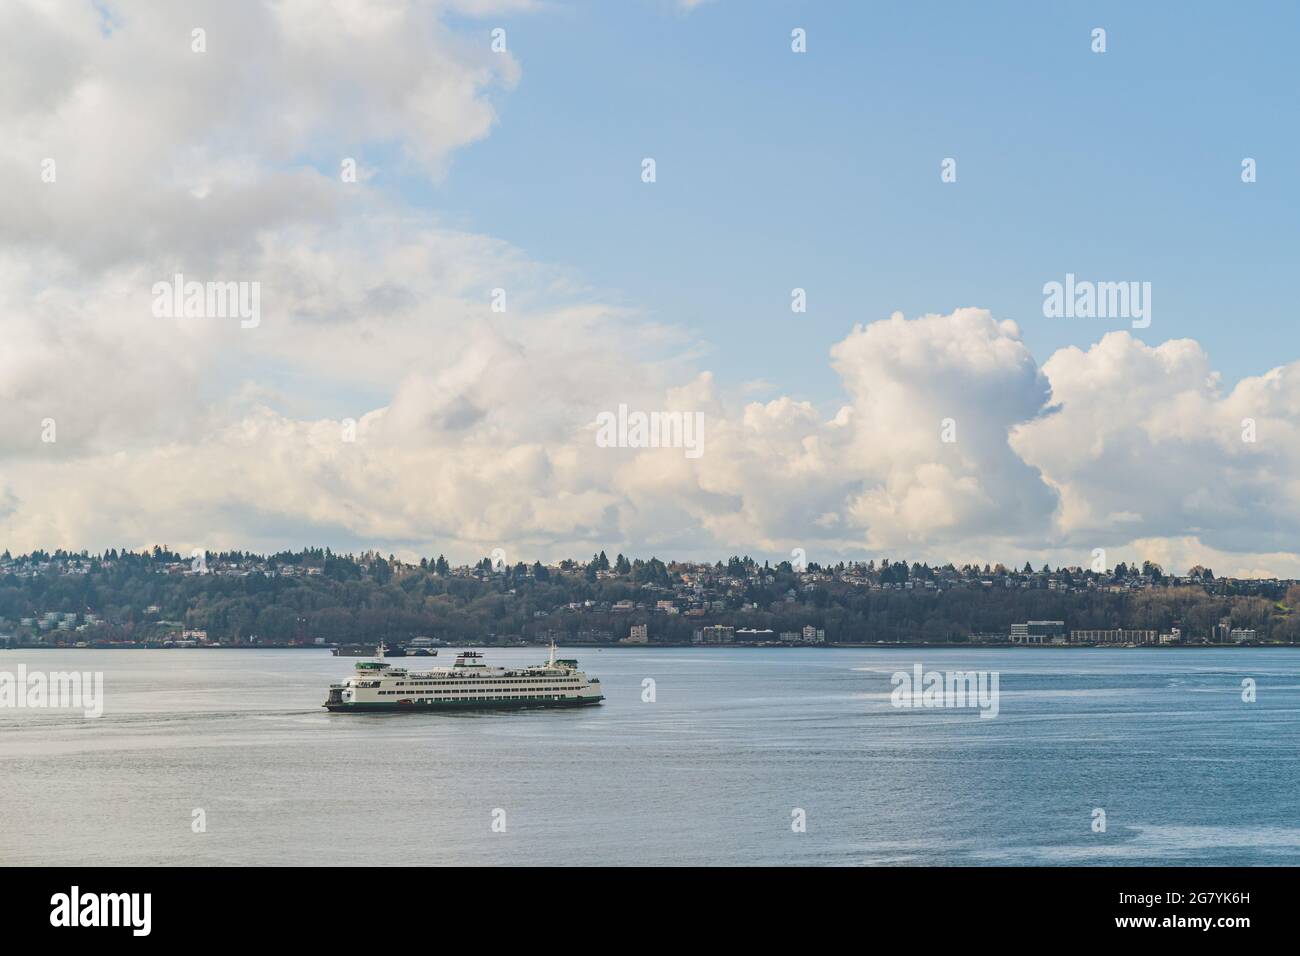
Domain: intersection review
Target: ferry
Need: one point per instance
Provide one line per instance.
(467, 684)
(421, 647)
(357, 650)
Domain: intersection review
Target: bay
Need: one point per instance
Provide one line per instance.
(714, 771)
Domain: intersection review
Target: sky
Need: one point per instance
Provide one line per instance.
(922, 406)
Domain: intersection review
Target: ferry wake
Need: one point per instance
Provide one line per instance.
(467, 684)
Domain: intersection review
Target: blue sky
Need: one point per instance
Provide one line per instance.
(821, 170)
(379, 402)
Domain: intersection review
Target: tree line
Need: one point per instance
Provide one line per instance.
(350, 598)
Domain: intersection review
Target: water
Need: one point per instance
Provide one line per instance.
(1186, 772)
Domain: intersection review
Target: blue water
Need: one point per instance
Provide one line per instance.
(711, 772)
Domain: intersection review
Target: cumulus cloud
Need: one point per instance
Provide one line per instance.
(161, 151)
(933, 402)
(1144, 441)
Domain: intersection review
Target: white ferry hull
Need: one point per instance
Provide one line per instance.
(413, 705)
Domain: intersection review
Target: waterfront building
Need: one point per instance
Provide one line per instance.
(715, 634)
(1114, 636)
(1038, 632)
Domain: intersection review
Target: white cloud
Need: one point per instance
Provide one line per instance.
(964, 377)
(1146, 441)
(161, 151)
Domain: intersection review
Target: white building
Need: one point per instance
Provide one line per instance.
(716, 634)
(1115, 636)
(1038, 632)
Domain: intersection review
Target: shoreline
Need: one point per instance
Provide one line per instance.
(676, 647)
